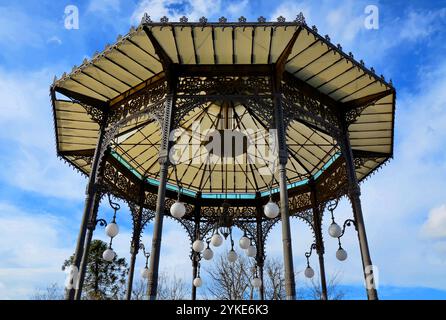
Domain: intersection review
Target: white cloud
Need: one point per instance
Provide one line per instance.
(435, 226)
(342, 20)
(54, 40)
(33, 247)
(27, 130)
(421, 24)
(193, 9)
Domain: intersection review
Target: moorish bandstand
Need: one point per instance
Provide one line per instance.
(301, 122)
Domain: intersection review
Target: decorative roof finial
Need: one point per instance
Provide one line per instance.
(222, 19)
(54, 79)
(183, 19)
(300, 19)
(314, 28)
(327, 37)
(261, 19)
(164, 19)
(242, 19)
(203, 20)
(281, 19)
(339, 46)
(146, 18)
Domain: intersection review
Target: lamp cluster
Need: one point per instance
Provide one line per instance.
(216, 240)
(111, 230)
(335, 231)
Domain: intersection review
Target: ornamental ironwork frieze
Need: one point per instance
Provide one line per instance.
(301, 107)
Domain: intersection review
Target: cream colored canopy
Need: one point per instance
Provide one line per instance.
(132, 62)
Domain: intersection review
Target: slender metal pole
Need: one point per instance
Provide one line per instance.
(89, 235)
(194, 274)
(195, 255)
(90, 204)
(152, 281)
(317, 223)
(354, 194)
(284, 210)
(134, 247)
(260, 256)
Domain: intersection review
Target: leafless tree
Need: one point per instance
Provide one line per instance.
(139, 290)
(230, 281)
(314, 290)
(52, 292)
(274, 279)
(170, 287)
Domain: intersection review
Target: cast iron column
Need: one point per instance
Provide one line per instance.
(91, 226)
(317, 223)
(134, 247)
(195, 255)
(91, 204)
(169, 111)
(354, 194)
(260, 256)
(284, 210)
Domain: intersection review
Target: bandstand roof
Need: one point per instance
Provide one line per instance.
(224, 48)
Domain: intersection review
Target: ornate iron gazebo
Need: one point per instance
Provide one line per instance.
(139, 118)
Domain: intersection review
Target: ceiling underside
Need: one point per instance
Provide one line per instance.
(110, 75)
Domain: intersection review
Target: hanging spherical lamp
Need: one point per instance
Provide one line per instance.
(341, 254)
(309, 272)
(145, 273)
(112, 230)
(198, 282)
(108, 255)
(232, 256)
(198, 245)
(256, 282)
(244, 242)
(178, 210)
(334, 230)
(208, 254)
(251, 251)
(271, 210)
(216, 240)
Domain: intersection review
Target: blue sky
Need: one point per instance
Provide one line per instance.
(41, 198)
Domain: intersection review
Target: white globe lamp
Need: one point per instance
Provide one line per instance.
(271, 210)
(334, 230)
(256, 282)
(244, 242)
(216, 240)
(341, 254)
(108, 255)
(198, 245)
(309, 272)
(198, 282)
(251, 251)
(208, 254)
(232, 256)
(112, 230)
(178, 210)
(145, 273)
